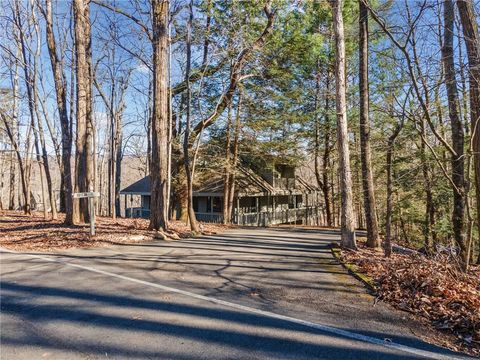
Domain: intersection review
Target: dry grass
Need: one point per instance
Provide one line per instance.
(23, 232)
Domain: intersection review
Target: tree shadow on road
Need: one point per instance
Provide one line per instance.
(217, 328)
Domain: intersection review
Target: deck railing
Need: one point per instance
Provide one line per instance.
(305, 215)
(137, 212)
(209, 217)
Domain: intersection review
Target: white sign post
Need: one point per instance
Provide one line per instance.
(91, 206)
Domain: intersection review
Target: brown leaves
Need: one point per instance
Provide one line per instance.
(433, 289)
(23, 232)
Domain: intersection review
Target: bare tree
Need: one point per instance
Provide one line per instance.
(61, 97)
(458, 159)
(84, 161)
(160, 117)
(472, 42)
(189, 165)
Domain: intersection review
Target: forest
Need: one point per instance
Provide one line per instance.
(377, 102)
(379, 99)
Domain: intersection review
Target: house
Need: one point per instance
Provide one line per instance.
(276, 195)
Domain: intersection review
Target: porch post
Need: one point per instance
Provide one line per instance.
(238, 210)
(258, 214)
(125, 200)
(295, 209)
(306, 208)
(273, 208)
(131, 201)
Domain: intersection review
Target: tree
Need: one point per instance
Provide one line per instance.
(347, 215)
(61, 97)
(472, 42)
(458, 159)
(234, 81)
(84, 159)
(367, 173)
(160, 118)
(189, 164)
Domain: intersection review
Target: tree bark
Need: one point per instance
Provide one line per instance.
(472, 42)
(387, 246)
(61, 96)
(458, 162)
(84, 159)
(366, 157)
(228, 165)
(160, 117)
(347, 215)
(236, 147)
(189, 168)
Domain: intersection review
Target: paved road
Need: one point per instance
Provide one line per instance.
(246, 294)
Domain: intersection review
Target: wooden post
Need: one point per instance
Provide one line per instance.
(306, 209)
(91, 206)
(295, 209)
(273, 209)
(238, 210)
(258, 214)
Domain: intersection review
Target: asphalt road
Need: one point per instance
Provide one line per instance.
(246, 294)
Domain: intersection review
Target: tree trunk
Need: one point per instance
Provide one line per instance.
(236, 146)
(228, 165)
(326, 155)
(367, 173)
(84, 160)
(458, 162)
(186, 148)
(24, 177)
(322, 177)
(160, 117)
(347, 215)
(118, 169)
(29, 79)
(472, 42)
(14, 130)
(387, 246)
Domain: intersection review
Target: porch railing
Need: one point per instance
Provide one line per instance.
(209, 217)
(305, 215)
(137, 212)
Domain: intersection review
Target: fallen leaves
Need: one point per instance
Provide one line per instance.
(31, 232)
(431, 288)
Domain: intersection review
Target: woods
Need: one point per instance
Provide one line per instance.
(377, 102)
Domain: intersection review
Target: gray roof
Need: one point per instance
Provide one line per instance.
(141, 187)
(247, 183)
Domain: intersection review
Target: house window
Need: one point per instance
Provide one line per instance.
(195, 204)
(291, 203)
(253, 205)
(146, 201)
(209, 204)
(299, 201)
(217, 204)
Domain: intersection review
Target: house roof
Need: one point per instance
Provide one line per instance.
(141, 187)
(247, 183)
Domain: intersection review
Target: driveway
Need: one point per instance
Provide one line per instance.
(246, 294)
